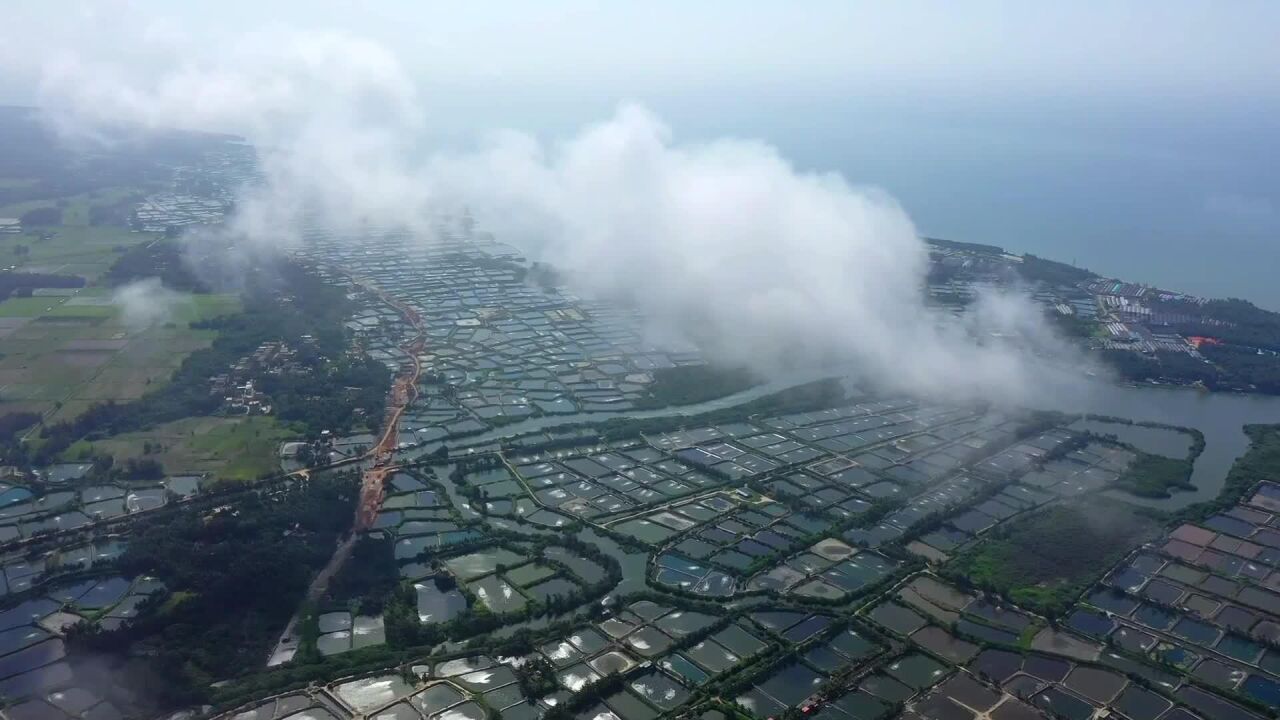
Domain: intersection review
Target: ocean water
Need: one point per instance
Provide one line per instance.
(1183, 198)
(1191, 208)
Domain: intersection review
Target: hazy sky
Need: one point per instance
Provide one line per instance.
(1198, 55)
(1130, 136)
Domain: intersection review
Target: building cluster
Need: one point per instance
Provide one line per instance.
(239, 386)
(1130, 316)
(1125, 316)
(159, 213)
(1131, 321)
(200, 194)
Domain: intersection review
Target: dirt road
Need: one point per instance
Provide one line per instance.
(404, 391)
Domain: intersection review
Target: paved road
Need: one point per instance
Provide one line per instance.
(287, 645)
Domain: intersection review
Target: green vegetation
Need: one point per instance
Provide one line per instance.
(801, 398)
(1174, 367)
(1156, 476)
(1236, 322)
(1229, 367)
(285, 301)
(109, 205)
(67, 345)
(368, 577)
(1259, 463)
(230, 449)
(1150, 475)
(65, 353)
(240, 570)
(85, 251)
(22, 284)
(1072, 326)
(1052, 272)
(41, 216)
(1045, 560)
(160, 258)
(12, 426)
(971, 247)
(537, 677)
(1246, 368)
(694, 384)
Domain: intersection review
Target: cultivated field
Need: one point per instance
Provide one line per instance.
(61, 353)
(75, 208)
(232, 449)
(68, 249)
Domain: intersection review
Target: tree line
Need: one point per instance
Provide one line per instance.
(21, 284)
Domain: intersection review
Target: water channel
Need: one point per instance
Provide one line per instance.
(1220, 416)
(633, 563)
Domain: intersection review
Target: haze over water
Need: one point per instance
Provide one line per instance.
(1191, 208)
(1190, 203)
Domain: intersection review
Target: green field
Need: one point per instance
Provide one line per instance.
(71, 250)
(75, 208)
(60, 354)
(233, 449)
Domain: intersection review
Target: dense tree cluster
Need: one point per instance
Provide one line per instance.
(12, 425)
(163, 259)
(1052, 272)
(14, 422)
(537, 677)
(368, 577)
(1156, 476)
(1257, 370)
(1228, 367)
(801, 398)
(139, 469)
(234, 576)
(1043, 561)
(691, 384)
(41, 216)
(1234, 321)
(22, 283)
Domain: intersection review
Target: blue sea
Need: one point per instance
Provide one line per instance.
(1192, 208)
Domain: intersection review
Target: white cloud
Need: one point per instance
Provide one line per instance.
(144, 303)
(721, 242)
(727, 244)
